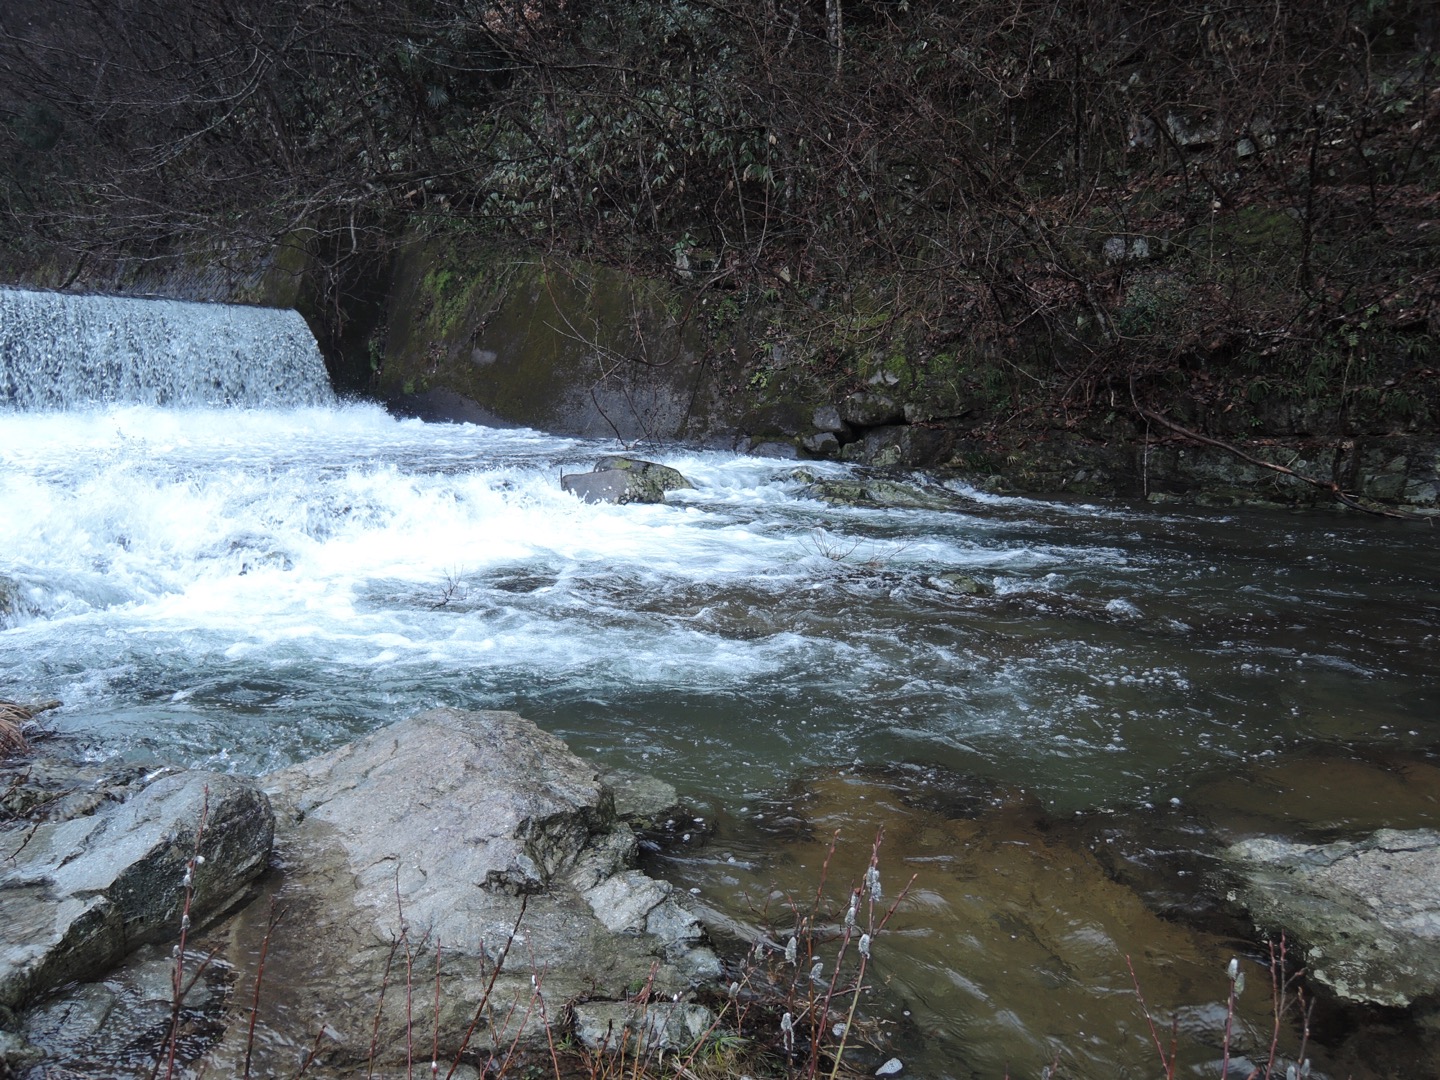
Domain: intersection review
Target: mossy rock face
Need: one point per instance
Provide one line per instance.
(648, 475)
(566, 348)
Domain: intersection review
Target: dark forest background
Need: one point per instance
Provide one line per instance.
(1067, 206)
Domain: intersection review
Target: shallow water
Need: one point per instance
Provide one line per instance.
(243, 588)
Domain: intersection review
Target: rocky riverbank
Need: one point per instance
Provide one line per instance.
(463, 879)
(470, 854)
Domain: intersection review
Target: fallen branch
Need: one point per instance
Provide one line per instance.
(1328, 486)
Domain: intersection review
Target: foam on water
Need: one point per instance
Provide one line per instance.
(250, 585)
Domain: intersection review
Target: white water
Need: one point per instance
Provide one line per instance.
(59, 351)
(246, 587)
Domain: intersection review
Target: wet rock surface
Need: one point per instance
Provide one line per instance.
(1004, 913)
(865, 410)
(441, 839)
(1368, 911)
(885, 491)
(1012, 944)
(84, 887)
(441, 846)
(624, 480)
(611, 1025)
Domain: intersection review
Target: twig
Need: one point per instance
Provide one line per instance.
(276, 915)
(1167, 1061)
(435, 1043)
(181, 988)
(489, 987)
(379, 1007)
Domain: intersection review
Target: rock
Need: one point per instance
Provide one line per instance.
(1018, 911)
(640, 1029)
(879, 491)
(904, 445)
(827, 418)
(17, 1055)
(444, 405)
(823, 444)
(1117, 249)
(871, 410)
(624, 480)
(50, 789)
(601, 486)
(80, 893)
(100, 1023)
(14, 605)
(772, 449)
(1368, 912)
(964, 584)
(450, 830)
(1387, 487)
(920, 412)
(640, 799)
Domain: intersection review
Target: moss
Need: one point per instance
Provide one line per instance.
(1254, 246)
(563, 346)
(282, 283)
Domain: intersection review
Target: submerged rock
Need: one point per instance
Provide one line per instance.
(81, 892)
(1368, 912)
(435, 840)
(624, 480)
(878, 491)
(1007, 927)
(963, 584)
(13, 603)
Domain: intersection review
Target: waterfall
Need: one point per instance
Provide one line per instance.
(59, 351)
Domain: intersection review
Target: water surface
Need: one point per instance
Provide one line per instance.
(242, 588)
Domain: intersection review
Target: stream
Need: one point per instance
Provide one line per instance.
(1054, 738)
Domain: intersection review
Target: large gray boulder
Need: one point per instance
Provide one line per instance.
(442, 834)
(79, 894)
(1367, 912)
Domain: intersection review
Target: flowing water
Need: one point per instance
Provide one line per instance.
(241, 587)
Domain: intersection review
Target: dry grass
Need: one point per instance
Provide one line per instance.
(13, 718)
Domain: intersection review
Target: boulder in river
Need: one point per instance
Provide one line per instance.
(624, 480)
(80, 893)
(410, 859)
(1368, 912)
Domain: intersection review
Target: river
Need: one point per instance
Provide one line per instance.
(1054, 757)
